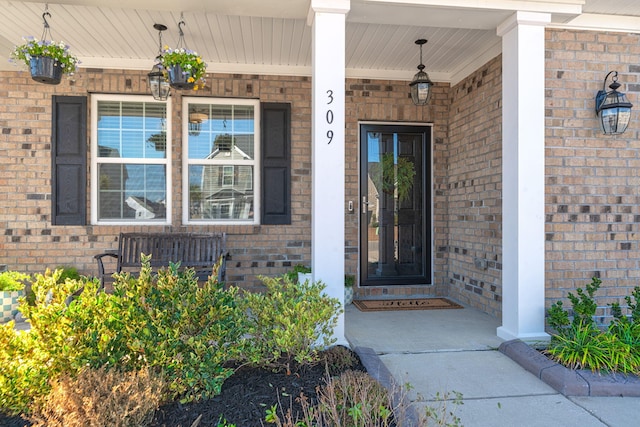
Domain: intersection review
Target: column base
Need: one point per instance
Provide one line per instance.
(529, 338)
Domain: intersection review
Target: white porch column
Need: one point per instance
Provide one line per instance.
(328, 19)
(523, 269)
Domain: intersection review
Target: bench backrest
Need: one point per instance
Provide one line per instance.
(190, 249)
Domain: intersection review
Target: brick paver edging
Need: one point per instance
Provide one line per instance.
(570, 382)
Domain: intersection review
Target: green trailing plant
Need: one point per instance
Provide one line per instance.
(289, 322)
(13, 281)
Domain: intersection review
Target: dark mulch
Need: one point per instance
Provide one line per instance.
(245, 397)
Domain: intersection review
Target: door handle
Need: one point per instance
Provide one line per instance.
(365, 203)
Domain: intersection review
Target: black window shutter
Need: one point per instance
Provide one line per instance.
(69, 160)
(276, 163)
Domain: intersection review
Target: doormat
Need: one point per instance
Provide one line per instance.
(405, 304)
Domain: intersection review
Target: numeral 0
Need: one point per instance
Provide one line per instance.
(329, 116)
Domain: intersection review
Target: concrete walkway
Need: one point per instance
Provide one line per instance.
(446, 351)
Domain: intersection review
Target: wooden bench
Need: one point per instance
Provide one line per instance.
(199, 251)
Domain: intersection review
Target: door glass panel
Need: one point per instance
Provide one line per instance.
(393, 232)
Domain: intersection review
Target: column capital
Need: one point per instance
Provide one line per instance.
(327, 6)
(523, 18)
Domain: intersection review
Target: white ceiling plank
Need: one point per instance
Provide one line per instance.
(240, 34)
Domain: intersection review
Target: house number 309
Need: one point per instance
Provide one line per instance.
(329, 116)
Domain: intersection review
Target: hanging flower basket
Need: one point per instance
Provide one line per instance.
(45, 70)
(46, 60)
(179, 78)
(183, 66)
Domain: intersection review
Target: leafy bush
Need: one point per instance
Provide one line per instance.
(580, 344)
(68, 273)
(24, 372)
(171, 324)
(29, 360)
(165, 322)
(584, 308)
(289, 322)
(98, 398)
(12, 280)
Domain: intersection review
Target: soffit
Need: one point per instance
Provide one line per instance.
(272, 37)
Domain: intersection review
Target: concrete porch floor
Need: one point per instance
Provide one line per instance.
(440, 351)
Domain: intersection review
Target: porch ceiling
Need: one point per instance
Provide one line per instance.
(272, 37)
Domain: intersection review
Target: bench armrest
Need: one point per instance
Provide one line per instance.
(98, 258)
(220, 269)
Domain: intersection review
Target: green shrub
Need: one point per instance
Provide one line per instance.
(50, 349)
(68, 273)
(24, 372)
(166, 322)
(289, 322)
(580, 344)
(170, 323)
(584, 348)
(12, 280)
(584, 308)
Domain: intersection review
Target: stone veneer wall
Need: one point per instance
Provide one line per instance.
(473, 249)
(592, 180)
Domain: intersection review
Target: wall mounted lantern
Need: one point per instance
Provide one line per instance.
(421, 84)
(613, 108)
(158, 82)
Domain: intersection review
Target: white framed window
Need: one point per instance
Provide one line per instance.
(130, 164)
(221, 156)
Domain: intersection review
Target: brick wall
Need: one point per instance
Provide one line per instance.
(472, 244)
(28, 242)
(592, 180)
(389, 101)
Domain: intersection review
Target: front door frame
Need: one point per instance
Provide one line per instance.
(428, 204)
